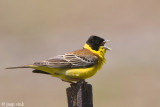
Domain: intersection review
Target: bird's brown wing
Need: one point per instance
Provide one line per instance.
(76, 59)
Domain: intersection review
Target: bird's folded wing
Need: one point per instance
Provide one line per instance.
(69, 61)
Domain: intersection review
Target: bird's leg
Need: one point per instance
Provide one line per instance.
(69, 82)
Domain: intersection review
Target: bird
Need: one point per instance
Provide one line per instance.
(76, 65)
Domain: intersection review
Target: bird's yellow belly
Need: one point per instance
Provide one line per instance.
(81, 73)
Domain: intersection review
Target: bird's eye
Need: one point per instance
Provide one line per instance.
(103, 43)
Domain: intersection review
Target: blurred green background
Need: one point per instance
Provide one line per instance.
(36, 30)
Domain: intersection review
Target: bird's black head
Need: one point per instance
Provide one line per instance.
(95, 42)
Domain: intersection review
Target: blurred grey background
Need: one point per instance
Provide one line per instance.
(36, 30)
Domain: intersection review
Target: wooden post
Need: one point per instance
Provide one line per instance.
(80, 95)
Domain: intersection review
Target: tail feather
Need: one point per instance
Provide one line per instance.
(25, 66)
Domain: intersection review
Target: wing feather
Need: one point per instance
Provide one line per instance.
(69, 61)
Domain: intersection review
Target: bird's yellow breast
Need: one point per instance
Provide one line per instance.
(82, 73)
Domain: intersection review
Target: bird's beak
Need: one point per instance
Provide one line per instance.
(105, 47)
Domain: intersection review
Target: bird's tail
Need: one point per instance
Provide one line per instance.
(24, 66)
